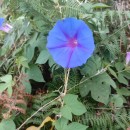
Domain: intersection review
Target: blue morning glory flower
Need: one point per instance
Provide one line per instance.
(70, 42)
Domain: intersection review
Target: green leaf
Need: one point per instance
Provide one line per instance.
(7, 125)
(117, 100)
(22, 61)
(122, 75)
(119, 66)
(3, 86)
(66, 112)
(34, 42)
(55, 1)
(92, 66)
(43, 57)
(99, 86)
(121, 79)
(51, 61)
(8, 82)
(123, 91)
(27, 85)
(87, 6)
(33, 39)
(100, 5)
(4, 50)
(29, 50)
(126, 74)
(76, 126)
(112, 72)
(101, 93)
(9, 90)
(76, 107)
(41, 42)
(61, 124)
(35, 73)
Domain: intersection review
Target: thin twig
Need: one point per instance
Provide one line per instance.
(98, 73)
(115, 108)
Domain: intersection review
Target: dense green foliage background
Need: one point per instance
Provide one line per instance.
(30, 78)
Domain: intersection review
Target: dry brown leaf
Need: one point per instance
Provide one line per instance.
(45, 121)
(33, 128)
(42, 124)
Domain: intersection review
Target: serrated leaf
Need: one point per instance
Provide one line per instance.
(66, 112)
(43, 57)
(35, 73)
(7, 125)
(76, 107)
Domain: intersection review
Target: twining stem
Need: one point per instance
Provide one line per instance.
(66, 80)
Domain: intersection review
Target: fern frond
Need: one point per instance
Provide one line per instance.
(106, 120)
(72, 8)
(38, 102)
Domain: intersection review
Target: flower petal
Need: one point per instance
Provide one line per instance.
(70, 58)
(70, 26)
(87, 43)
(56, 37)
(1, 21)
(79, 57)
(61, 55)
(84, 31)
